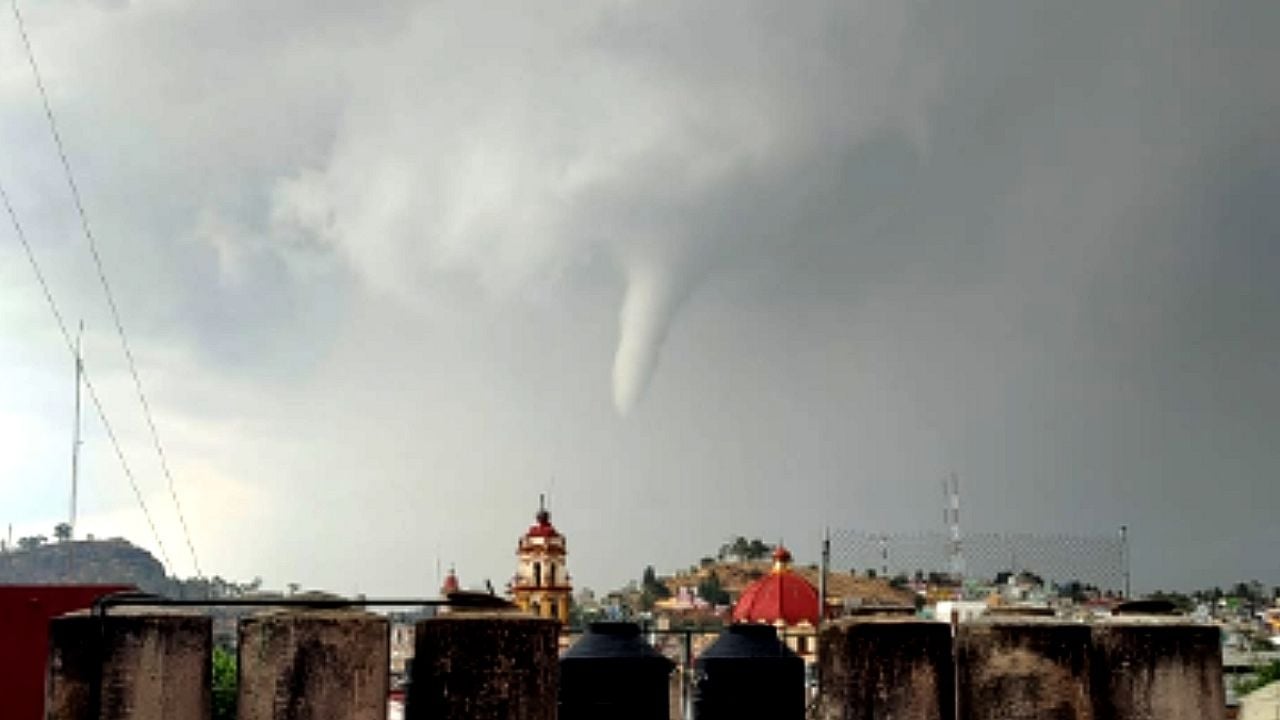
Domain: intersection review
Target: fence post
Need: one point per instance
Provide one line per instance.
(822, 575)
(686, 674)
(1124, 558)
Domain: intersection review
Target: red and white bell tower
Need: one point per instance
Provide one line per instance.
(542, 585)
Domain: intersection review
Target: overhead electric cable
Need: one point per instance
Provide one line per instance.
(88, 382)
(106, 286)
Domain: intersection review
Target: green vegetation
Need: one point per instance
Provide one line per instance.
(31, 543)
(1264, 677)
(224, 684)
(651, 589)
(712, 591)
(743, 550)
(1181, 601)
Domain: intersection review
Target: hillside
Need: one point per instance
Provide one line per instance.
(114, 561)
(736, 576)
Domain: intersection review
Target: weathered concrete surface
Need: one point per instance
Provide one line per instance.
(873, 668)
(132, 664)
(1023, 670)
(1157, 670)
(314, 665)
(484, 666)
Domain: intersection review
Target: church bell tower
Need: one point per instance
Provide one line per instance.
(542, 584)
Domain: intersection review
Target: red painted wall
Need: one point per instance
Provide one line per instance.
(25, 611)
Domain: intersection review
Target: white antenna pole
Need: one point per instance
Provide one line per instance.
(75, 438)
(951, 514)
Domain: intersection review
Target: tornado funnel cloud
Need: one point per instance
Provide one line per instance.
(651, 300)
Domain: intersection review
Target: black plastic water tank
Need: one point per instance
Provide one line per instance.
(611, 672)
(748, 673)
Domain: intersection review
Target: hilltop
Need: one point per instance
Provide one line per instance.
(734, 577)
(114, 561)
(719, 581)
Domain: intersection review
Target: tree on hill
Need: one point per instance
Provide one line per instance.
(712, 591)
(31, 543)
(62, 531)
(1179, 600)
(651, 588)
(742, 549)
(758, 550)
(733, 548)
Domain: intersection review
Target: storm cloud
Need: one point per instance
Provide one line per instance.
(725, 267)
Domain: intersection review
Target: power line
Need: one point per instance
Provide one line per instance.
(106, 286)
(88, 383)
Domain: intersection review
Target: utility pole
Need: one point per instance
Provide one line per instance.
(822, 585)
(822, 575)
(1124, 558)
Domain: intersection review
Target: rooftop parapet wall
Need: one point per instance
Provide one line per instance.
(1023, 670)
(1020, 668)
(485, 666)
(315, 665)
(886, 667)
(1157, 670)
(129, 666)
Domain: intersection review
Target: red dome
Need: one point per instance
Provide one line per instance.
(782, 596)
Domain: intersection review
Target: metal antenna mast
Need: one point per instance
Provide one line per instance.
(75, 464)
(951, 517)
(75, 437)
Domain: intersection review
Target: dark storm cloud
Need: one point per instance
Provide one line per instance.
(850, 245)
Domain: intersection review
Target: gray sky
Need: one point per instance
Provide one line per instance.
(717, 268)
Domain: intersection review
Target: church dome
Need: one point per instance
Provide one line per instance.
(782, 597)
(542, 526)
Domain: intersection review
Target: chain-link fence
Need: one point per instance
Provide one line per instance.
(1100, 561)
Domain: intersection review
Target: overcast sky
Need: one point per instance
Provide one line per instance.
(699, 269)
